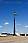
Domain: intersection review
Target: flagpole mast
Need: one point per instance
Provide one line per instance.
(14, 13)
(14, 26)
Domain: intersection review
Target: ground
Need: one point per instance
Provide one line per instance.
(14, 38)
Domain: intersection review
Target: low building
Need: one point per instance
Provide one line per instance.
(27, 34)
(22, 34)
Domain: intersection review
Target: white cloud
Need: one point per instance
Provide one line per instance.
(6, 23)
(1, 26)
(26, 26)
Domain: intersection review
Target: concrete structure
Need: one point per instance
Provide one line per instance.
(27, 34)
(17, 34)
(11, 34)
(3, 35)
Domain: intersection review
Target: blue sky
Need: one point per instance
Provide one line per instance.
(6, 17)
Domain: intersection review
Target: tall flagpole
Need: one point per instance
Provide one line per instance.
(14, 13)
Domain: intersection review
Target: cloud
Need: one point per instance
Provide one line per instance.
(26, 26)
(1, 26)
(6, 23)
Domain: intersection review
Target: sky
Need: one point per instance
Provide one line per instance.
(7, 19)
